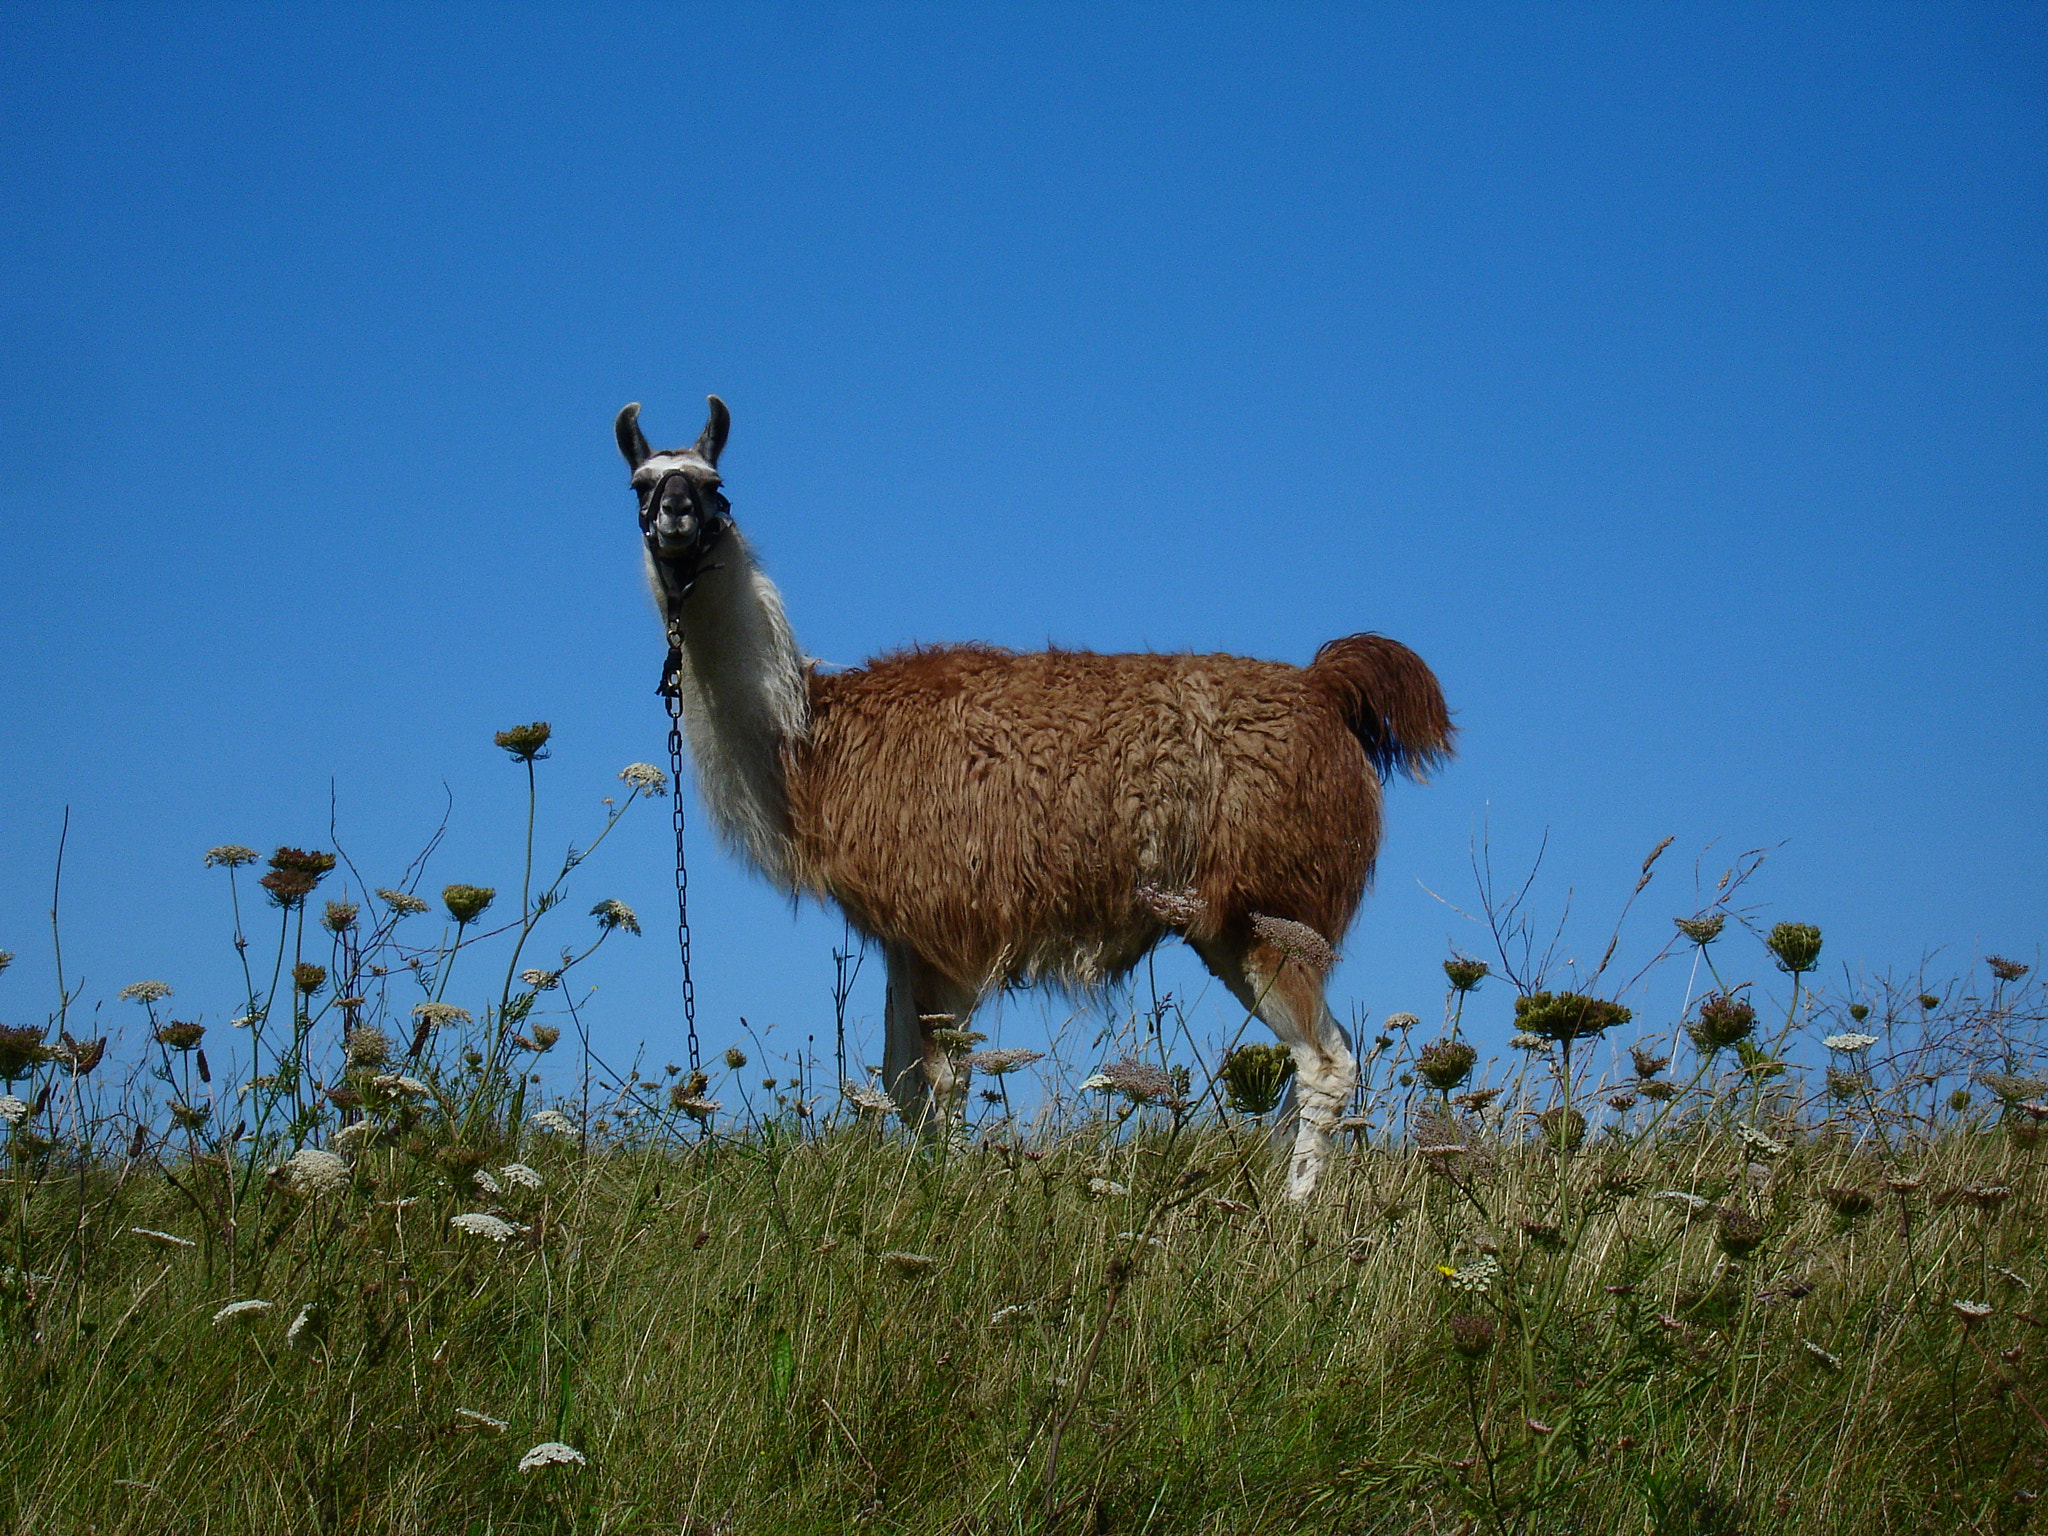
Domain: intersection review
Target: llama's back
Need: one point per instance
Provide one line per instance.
(998, 812)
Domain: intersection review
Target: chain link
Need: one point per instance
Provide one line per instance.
(675, 765)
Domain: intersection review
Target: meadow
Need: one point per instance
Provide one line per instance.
(394, 1250)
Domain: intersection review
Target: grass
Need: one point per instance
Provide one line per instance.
(1696, 1299)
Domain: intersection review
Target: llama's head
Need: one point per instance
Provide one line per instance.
(682, 513)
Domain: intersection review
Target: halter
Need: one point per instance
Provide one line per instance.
(686, 568)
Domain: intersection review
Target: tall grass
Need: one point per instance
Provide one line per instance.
(367, 1280)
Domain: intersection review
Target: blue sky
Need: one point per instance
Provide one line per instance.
(1672, 378)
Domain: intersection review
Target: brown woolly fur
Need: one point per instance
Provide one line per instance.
(998, 812)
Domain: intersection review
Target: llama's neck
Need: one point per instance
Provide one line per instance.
(745, 698)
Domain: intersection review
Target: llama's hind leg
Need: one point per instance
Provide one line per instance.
(1288, 996)
(918, 1070)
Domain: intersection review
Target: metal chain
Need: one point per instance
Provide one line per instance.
(675, 766)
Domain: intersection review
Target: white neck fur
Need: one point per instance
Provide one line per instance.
(745, 696)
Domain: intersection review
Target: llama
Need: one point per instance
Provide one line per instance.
(993, 819)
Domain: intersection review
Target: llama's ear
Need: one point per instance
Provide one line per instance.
(711, 441)
(632, 442)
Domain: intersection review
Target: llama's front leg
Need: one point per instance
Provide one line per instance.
(917, 1069)
(1288, 996)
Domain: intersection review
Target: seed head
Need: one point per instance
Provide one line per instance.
(1567, 1016)
(612, 914)
(1702, 930)
(1178, 909)
(525, 742)
(180, 1036)
(1970, 1313)
(1255, 1077)
(1464, 974)
(1564, 1129)
(867, 1099)
(1724, 1021)
(1929, 1002)
(910, 1263)
(1846, 1085)
(735, 1058)
(1737, 1232)
(1959, 1100)
(1859, 1011)
(466, 903)
(545, 1036)
(1796, 945)
(339, 917)
(230, 856)
(1647, 1062)
(1622, 1103)
(78, 1057)
(434, 1015)
(2004, 969)
(1658, 1090)
(1758, 1145)
(188, 1117)
(1402, 1022)
(1297, 941)
(2011, 1089)
(996, 1063)
(552, 1453)
(644, 778)
(1472, 1335)
(308, 977)
(1848, 1201)
(1446, 1063)
(404, 903)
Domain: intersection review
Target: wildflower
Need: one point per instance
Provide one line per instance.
(1402, 1021)
(403, 903)
(307, 1328)
(339, 917)
(349, 1135)
(1847, 1085)
(391, 1082)
(1796, 945)
(526, 743)
(242, 1021)
(294, 872)
(21, 1047)
(1177, 909)
(1446, 1063)
(1141, 1082)
(1098, 1083)
(1929, 1002)
(1567, 1016)
(1657, 1090)
(644, 778)
(1737, 1232)
(1702, 930)
(1103, 1189)
(437, 1014)
(78, 1057)
(1479, 1275)
(483, 1224)
(466, 903)
(1970, 1313)
(366, 1046)
(1986, 1197)
(553, 1122)
(12, 1109)
(910, 1263)
(520, 1174)
(2011, 1089)
(1297, 941)
(242, 1312)
(1849, 1042)
(1464, 974)
(1563, 1128)
(1476, 1099)
(1724, 1021)
(179, 1036)
(545, 1037)
(552, 1453)
(1002, 1317)
(1255, 1076)
(163, 1239)
(1847, 1201)
(1959, 1100)
(867, 1099)
(496, 1426)
(1904, 1184)
(309, 978)
(1690, 1203)
(1760, 1145)
(312, 1173)
(1821, 1356)
(996, 1063)
(230, 856)
(2004, 969)
(144, 992)
(695, 1105)
(484, 1181)
(1524, 1041)
(1471, 1335)
(541, 981)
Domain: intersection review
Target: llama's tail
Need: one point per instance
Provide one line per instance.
(1390, 699)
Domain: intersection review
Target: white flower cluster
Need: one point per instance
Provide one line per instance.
(144, 992)
(867, 1099)
(1104, 1189)
(552, 1453)
(520, 1174)
(1850, 1042)
(241, 1311)
(483, 1224)
(552, 1121)
(644, 777)
(313, 1173)
(1761, 1145)
(12, 1109)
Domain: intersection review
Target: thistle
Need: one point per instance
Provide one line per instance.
(525, 742)
(1255, 1076)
